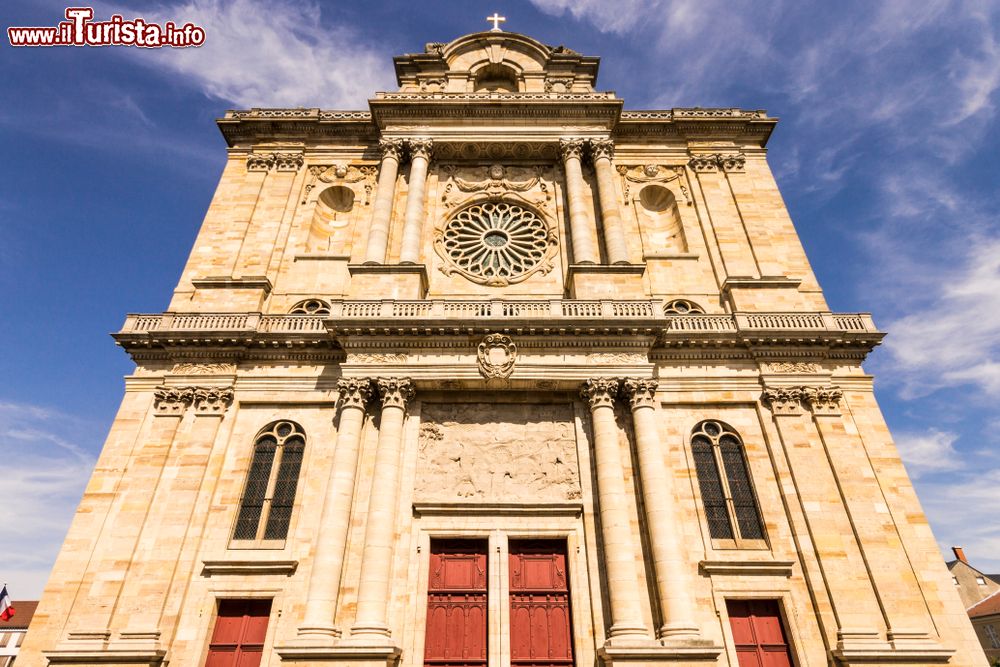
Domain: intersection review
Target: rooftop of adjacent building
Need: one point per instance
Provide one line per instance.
(23, 611)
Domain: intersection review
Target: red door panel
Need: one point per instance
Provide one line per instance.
(456, 604)
(540, 634)
(759, 633)
(238, 638)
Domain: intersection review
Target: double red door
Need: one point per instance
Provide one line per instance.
(758, 633)
(457, 605)
(539, 605)
(238, 638)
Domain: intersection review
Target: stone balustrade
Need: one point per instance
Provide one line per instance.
(515, 316)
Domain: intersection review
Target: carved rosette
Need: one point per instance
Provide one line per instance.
(639, 392)
(422, 147)
(212, 400)
(824, 400)
(602, 148)
(395, 392)
(391, 148)
(354, 392)
(496, 356)
(784, 400)
(571, 148)
(600, 392)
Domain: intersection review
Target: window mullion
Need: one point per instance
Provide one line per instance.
(726, 492)
(272, 482)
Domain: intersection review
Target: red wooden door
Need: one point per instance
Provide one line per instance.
(456, 604)
(540, 622)
(238, 639)
(758, 633)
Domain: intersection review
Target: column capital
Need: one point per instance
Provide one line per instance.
(570, 147)
(421, 147)
(639, 392)
(354, 392)
(823, 400)
(395, 392)
(602, 148)
(391, 148)
(600, 392)
(212, 400)
(172, 400)
(784, 400)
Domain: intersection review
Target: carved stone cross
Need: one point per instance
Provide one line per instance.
(497, 20)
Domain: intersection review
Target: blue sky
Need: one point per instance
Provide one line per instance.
(886, 154)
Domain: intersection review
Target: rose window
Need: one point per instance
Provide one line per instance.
(496, 242)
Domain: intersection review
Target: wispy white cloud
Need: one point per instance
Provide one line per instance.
(954, 337)
(931, 452)
(260, 54)
(47, 460)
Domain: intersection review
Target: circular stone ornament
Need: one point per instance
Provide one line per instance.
(496, 243)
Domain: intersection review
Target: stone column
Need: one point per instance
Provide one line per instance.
(370, 625)
(413, 224)
(658, 497)
(328, 563)
(602, 151)
(580, 222)
(378, 233)
(619, 551)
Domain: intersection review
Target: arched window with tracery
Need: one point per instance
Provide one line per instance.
(269, 494)
(726, 489)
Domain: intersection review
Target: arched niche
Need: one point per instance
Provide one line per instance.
(336, 208)
(660, 219)
(496, 77)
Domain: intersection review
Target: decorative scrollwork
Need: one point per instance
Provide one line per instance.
(497, 355)
(651, 173)
(495, 243)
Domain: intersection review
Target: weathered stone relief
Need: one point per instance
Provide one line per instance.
(789, 367)
(495, 181)
(618, 357)
(203, 369)
(651, 173)
(499, 453)
(376, 358)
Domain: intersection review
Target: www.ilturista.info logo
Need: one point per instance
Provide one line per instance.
(80, 30)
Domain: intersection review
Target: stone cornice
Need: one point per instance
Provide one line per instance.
(562, 321)
(604, 110)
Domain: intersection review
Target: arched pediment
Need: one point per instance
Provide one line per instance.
(496, 62)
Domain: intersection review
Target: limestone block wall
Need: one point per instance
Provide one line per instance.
(848, 551)
(723, 239)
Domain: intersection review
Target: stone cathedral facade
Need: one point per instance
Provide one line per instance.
(499, 374)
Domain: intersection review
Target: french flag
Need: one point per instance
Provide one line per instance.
(6, 606)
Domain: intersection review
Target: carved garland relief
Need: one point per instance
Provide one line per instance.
(497, 453)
